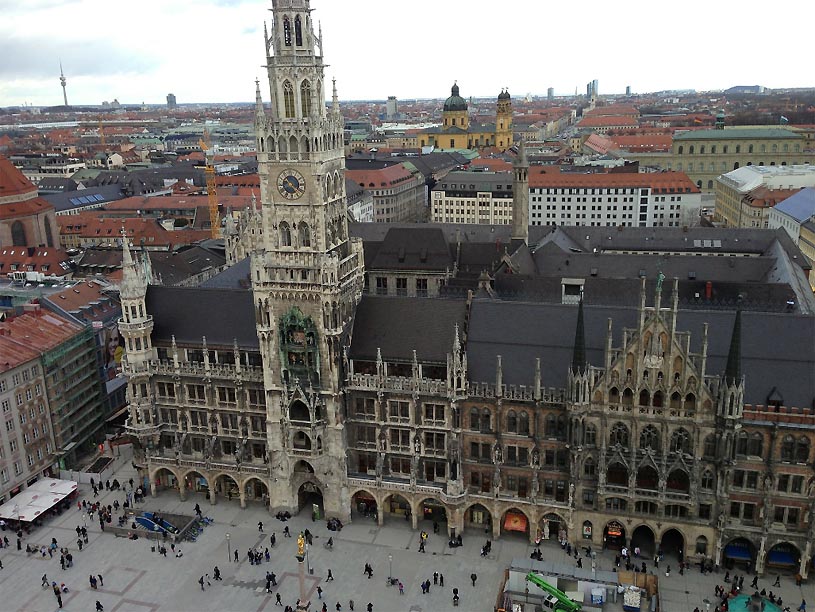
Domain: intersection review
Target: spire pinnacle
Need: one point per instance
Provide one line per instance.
(335, 101)
(732, 372)
(127, 258)
(579, 351)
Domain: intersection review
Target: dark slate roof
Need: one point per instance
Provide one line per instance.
(172, 267)
(778, 350)
(223, 316)
(234, 277)
(416, 248)
(71, 199)
(400, 325)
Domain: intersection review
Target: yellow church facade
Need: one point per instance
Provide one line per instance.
(457, 132)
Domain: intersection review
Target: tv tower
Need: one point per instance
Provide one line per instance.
(63, 82)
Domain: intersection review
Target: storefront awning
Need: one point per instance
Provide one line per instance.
(739, 552)
(37, 499)
(515, 522)
(781, 557)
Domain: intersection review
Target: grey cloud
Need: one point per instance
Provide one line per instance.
(33, 58)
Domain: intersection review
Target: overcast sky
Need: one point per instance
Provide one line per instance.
(211, 50)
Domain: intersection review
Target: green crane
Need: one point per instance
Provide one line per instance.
(564, 604)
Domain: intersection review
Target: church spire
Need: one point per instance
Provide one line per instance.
(732, 373)
(335, 100)
(579, 349)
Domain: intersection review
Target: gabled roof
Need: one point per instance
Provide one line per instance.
(13, 182)
(420, 248)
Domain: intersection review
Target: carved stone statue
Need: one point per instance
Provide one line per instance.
(536, 458)
(417, 445)
(722, 520)
(535, 486)
(545, 529)
(380, 461)
(571, 494)
(383, 441)
(498, 453)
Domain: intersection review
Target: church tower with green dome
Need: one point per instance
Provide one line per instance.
(455, 114)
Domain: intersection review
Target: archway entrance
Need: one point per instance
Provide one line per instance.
(784, 558)
(226, 486)
(552, 527)
(310, 497)
(195, 482)
(432, 516)
(614, 535)
(478, 517)
(363, 505)
(165, 479)
(255, 489)
(515, 523)
(397, 507)
(673, 544)
(644, 539)
(739, 552)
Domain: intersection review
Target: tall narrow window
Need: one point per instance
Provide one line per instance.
(298, 32)
(18, 234)
(286, 32)
(288, 100)
(305, 234)
(285, 234)
(305, 98)
(49, 236)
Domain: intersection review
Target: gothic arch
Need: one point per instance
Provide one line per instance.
(298, 32)
(298, 411)
(286, 31)
(304, 234)
(285, 234)
(294, 147)
(305, 98)
(288, 100)
(18, 237)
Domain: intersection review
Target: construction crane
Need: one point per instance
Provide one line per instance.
(209, 172)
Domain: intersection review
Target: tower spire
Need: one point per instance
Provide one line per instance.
(579, 350)
(335, 100)
(732, 372)
(63, 82)
(520, 196)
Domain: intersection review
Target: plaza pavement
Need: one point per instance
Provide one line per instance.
(138, 580)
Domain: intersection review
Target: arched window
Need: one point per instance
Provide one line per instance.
(755, 447)
(645, 397)
(288, 100)
(551, 426)
(628, 397)
(18, 234)
(614, 395)
(657, 401)
(475, 419)
(523, 424)
(676, 399)
(680, 441)
(710, 184)
(681, 149)
(285, 234)
(702, 150)
(486, 419)
(649, 438)
(298, 32)
(707, 480)
(589, 467)
(738, 148)
(736, 166)
(750, 149)
(619, 435)
(802, 450)
(286, 31)
(305, 234)
(49, 236)
(512, 422)
(787, 448)
(305, 98)
(741, 444)
(690, 402)
(691, 150)
(590, 435)
(710, 446)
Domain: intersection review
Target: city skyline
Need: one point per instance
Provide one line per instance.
(217, 52)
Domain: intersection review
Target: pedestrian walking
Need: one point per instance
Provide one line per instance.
(803, 606)
(208, 582)
(101, 582)
(59, 600)
(351, 605)
(216, 573)
(473, 577)
(777, 582)
(201, 582)
(330, 576)
(260, 526)
(277, 600)
(441, 579)
(325, 607)
(99, 606)
(319, 592)
(754, 583)
(272, 540)
(338, 606)
(435, 578)
(401, 588)
(236, 556)
(370, 607)
(44, 580)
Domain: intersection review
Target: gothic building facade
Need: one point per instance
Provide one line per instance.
(575, 384)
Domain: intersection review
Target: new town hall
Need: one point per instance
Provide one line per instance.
(603, 385)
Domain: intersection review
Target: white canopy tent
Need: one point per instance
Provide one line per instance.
(32, 502)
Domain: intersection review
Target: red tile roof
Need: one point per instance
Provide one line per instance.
(607, 121)
(25, 337)
(491, 164)
(91, 226)
(613, 109)
(377, 179)
(13, 182)
(655, 142)
(678, 181)
(87, 300)
(47, 260)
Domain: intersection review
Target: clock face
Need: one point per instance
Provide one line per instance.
(291, 184)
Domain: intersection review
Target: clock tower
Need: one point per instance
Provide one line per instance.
(307, 274)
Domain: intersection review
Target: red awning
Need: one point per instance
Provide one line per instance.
(515, 522)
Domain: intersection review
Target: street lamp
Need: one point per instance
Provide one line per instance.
(308, 565)
(390, 568)
(228, 549)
